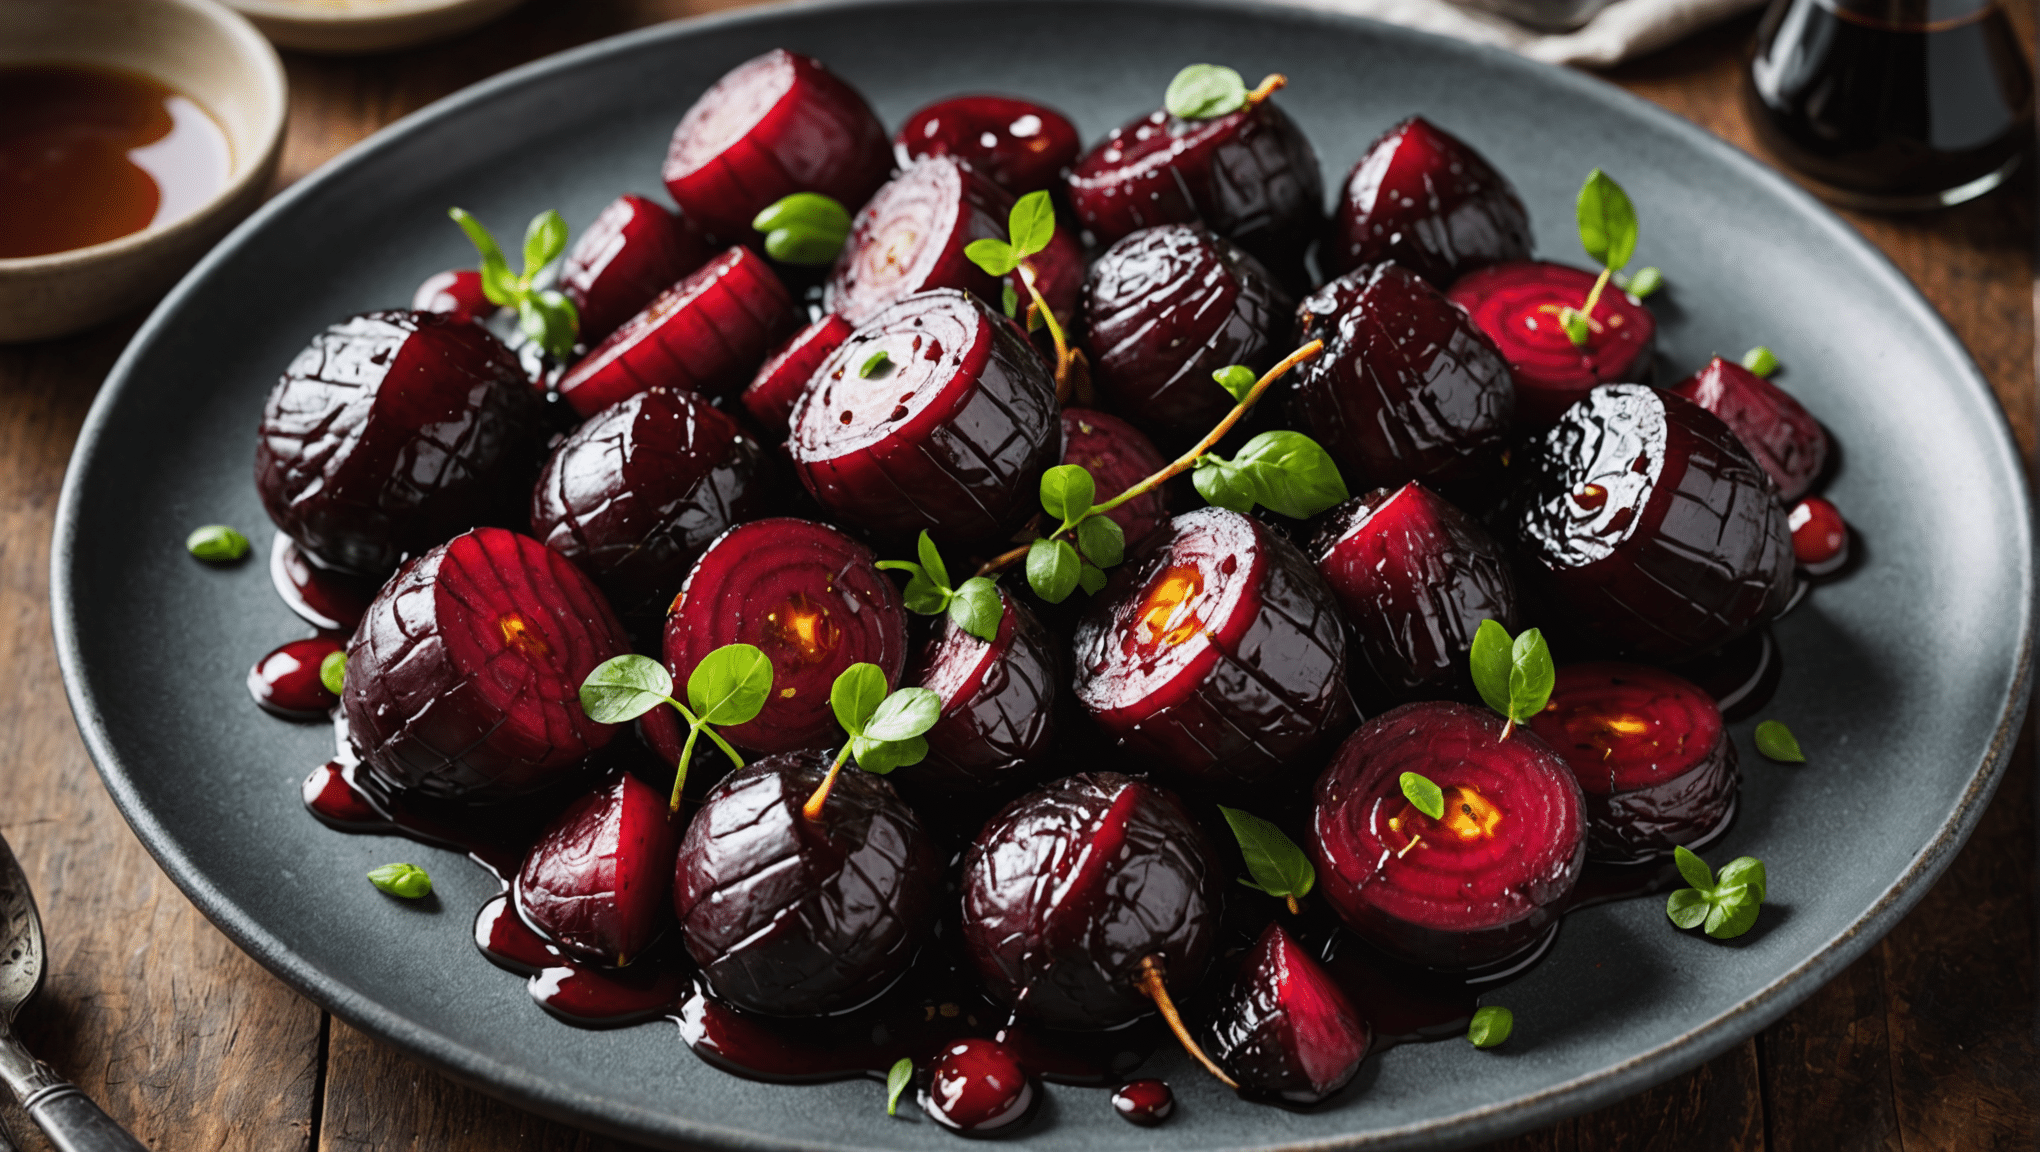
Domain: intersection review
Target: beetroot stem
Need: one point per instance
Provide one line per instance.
(1055, 332)
(1155, 988)
(813, 808)
(1268, 87)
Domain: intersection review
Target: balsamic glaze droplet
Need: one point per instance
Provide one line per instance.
(1144, 1102)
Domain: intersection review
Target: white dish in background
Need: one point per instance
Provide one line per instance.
(348, 26)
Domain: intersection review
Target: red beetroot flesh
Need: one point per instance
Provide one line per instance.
(1650, 752)
(1407, 388)
(998, 705)
(1517, 306)
(1644, 517)
(812, 599)
(456, 292)
(1022, 146)
(795, 917)
(1480, 885)
(949, 434)
(596, 882)
(1423, 198)
(706, 334)
(1118, 456)
(1068, 889)
(1416, 577)
(286, 682)
(779, 383)
(632, 252)
(1820, 537)
(1784, 437)
(392, 432)
(1285, 1029)
(774, 125)
(1219, 655)
(464, 678)
(979, 1088)
(1168, 306)
(635, 494)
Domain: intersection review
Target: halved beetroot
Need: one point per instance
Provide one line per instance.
(456, 292)
(777, 387)
(596, 881)
(632, 252)
(1650, 752)
(774, 125)
(1416, 576)
(935, 415)
(1219, 655)
(1784, 437)
(1117, 456)
(789, 916)
(392, 432)
(464, 678)
(1645, 517)
(1285, 1029)
(1166, 307)
(998, 705)
(1407, 387)
(1020, 145)
(1425, 199)
(1517, 305)
(706, 334)
(1820, 537)
(1473, 889)
(635, 494)
(812, 599)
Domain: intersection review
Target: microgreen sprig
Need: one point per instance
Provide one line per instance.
(545, 315)
(1490, 1026)
(729, 686)
(974, 605)
(1423, 794)
(885, 729)
(1286, 472)
(1208, 91)
(333, 672)
(1029, 228)
(1727, 906)
(216, 544)
(1777, 742)
(1607, 223)
(1516, 676)
(896, 1081)
(405, 880)
(805, 228)
(1277, 865)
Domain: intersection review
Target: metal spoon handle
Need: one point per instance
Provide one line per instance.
(66, 1115)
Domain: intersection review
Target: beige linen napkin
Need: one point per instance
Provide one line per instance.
(1623, 29)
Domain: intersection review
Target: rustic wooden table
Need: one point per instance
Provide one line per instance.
(1931, 1041)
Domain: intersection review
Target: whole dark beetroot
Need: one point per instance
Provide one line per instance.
(1118, 456)
(979, 1088)
(1284, 1029)
(998, 706)
(457, 292)
(635, 494)
(392, 432)
(1069, 889)
(633, 251)
(1517, 306)
(785, 374)
(774, 125)
(1423, 198)
(1642, 515)
(1168, 306)
(1474, 889)
(795, 917)
(1416, 577)
(464, 677)
(1407, 387)
(596, 882)
(1022, 146)
(1783, 436)
(1218, 655)
(936, 415)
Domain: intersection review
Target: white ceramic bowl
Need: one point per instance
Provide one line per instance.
(343, 26)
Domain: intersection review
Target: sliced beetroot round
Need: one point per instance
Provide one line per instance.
(1407, 388)
(1820, 537)
(635, 494)
(911, 237)
(1219, 655)
(1022, 146)
(1416, 576)
(706, 334)
(998, 705)
(1784, 437)
(1645, 517)
(1517, 305)
(789, 916)
(1650, 752)
(936, 415)
(456, 292)
(779, 383)
(812, 599)
(1118, 456)
(774, 125)
(1285, 1029)
(633, 251)
(392, 432)
(596, 882)
(1473, 889)
(1425, 199)
(464, 678)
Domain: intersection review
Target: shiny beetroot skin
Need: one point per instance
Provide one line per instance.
(1284, 1029)
(998, 705)
(809, 597)
(1407, 388)
(1783, 436)
(1479, 886)
(785, 374)
(774, 125)
(1645, 517)
(392, 432)
(464, 677)
(949, 433)
(1218, 655)
(1517, 306)
(795, 917)
(1168, 306)
(1650, 752)
(1068, 889)
(456, 292)
(633, 251)
(1118, 456)
(1022, 146)
(596, 881)
(979, 1088)
(1416, 577)
(635, 494)
(1423, 198)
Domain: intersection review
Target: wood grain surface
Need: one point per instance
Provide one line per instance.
(1927, 1043)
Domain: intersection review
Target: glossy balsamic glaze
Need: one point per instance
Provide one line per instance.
(1145, 1103)
(327, 600)
(286, 682)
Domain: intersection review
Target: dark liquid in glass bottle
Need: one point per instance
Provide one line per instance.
(1893, 103)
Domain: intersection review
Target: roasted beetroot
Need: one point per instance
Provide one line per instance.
(979, 1088)
(456, 292)
(1423, 198)
(796, 917)
(1784, 437)
(998, 705)
(1285, 1029)
(464, 678)
(1518, 305)
(1020, 145)
(632, 252)
(596, 882)
(1471, 890)
(1820, 537)
(392, 432)
(1117, 456)
(777, 387)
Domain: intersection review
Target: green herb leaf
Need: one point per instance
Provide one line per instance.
(623, 688)
(216, 544)
(1747, 872)
(1688, 907)
(1290, 474)
(1091, 579)
(730, 685)
(931, 560)
(485, 246)
(1645, 282)
(1238, 380)
(1726, 908)
(1009, 299)
(904, 715)
(1031, 224)
(1607, 220)
(1066, 491)
(1426, 796)
(1053, 569)
(922, 596)
(1776, 742)
(978, 609)
(545, 238)
(1693, 869)
(1493, 661)
(500, 284)
(879, 757)
(994, 256)
(1222, 484)
(1578, 328)
(896, 1081)
(1491, 1026)
(856, 695)
(549, 319)
(1102, 541)
(1205, 91)
(333, 672)
(1760, 360)
(406, 880)
(1734, 912)
(1277, 865)
(874, 364)
(1531, 675)
(804, 228)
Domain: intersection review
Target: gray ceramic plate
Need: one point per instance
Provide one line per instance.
(1905, 682)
